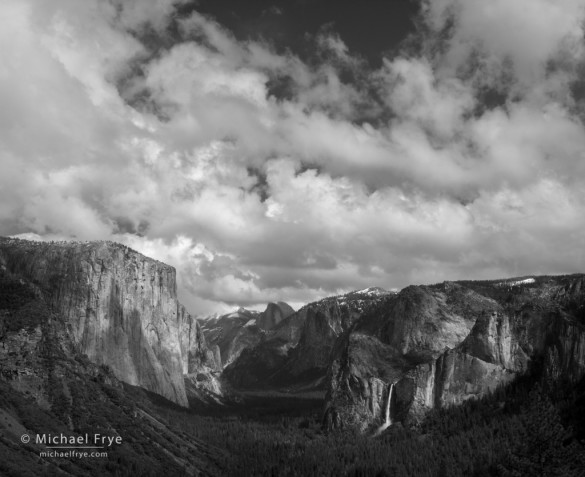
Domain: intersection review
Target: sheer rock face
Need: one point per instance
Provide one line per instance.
(296, 352)
(243, 329)
(230, 334)
(120, 309)
(444, 344)
(195, 352)
(273, 315)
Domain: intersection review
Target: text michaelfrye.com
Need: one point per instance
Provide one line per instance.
(72, 446)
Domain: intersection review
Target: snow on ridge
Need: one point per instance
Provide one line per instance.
(526, 281)
(251, 322)
(372, 291)
(205, 318)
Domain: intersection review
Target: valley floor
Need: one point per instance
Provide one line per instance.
(521, 430)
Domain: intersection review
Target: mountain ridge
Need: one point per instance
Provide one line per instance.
(376, 355)
(442, 344)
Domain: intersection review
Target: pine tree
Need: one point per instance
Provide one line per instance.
(546, 448)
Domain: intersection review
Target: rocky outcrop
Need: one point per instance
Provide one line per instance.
(119, 307)
(230, 334)
(243, 329)
(444, 344)
(195, 351)
(273, 315)
(296, 352)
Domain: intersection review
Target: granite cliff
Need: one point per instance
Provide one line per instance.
(435, 346)
(116, 307)
(273, 315)
(230, 334)
(47, 386)
(295, 353)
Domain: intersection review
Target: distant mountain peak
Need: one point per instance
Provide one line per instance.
(372, 291)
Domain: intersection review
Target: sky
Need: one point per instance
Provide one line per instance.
(295, 150)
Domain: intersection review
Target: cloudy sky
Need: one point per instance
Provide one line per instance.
(291, 150)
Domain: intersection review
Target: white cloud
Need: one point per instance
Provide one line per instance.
(256, 198)
(526, 32)
(415, 94)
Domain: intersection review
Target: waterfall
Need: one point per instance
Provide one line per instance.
(387, 415)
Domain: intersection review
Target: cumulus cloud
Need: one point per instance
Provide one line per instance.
(460, 157)
(527, 33)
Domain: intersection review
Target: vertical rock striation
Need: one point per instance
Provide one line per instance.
(119, 307)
